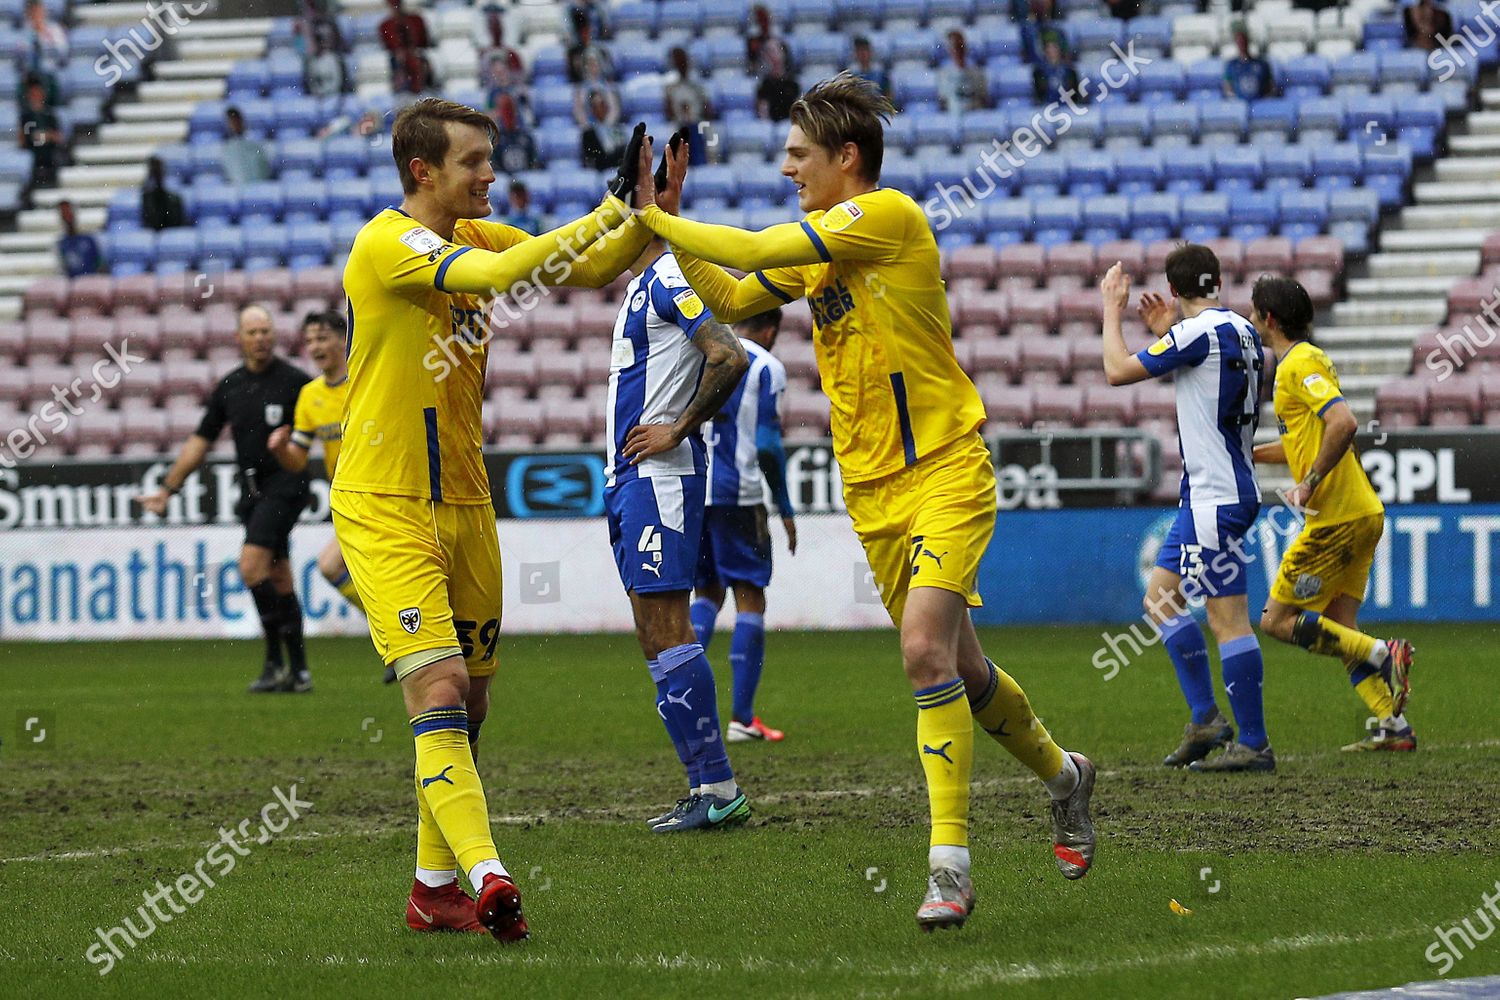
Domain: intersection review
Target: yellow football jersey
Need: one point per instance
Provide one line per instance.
(417, 356)
(882, 334)
(1306, 385)
(320, 417)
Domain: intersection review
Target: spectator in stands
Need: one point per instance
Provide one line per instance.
(603, 135)
(41, 132)
(687, 104)
(323, 71)
(46, 41)
(520, 215)
(581, 52)
(1124, 9)
(1247, 76)
(316, 24)
(1034, 19)
(1055, 76)
(961, 84)
(586, 12)
(405, 37)
(503, 80)
(865, 67)
(79, 252)
(779, 88)
(592, 84)
(497, 49)
(243, 160)
(160, 208)
(515, 148)
(1426, 23)
(761, 33)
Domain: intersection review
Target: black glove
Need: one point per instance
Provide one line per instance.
(679, 138)
(623, 185)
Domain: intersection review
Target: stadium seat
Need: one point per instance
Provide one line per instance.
(1271, 254)
(1256, 213)
(1059, 406)
(1402, 403)
(1021, 265)
(1303, 213)
(1105, 217)
(1286, 167)
(1007, 405)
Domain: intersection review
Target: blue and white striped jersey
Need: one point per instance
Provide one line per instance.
(1218, 360)
(732, 436)
(654, 369)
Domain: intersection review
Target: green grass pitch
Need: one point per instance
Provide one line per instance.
(1329, 875)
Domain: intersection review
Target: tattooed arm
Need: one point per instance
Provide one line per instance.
(724, 364)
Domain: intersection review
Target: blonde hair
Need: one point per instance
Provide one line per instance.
(844, 109)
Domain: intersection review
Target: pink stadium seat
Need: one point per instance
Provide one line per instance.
(15, 386)
(1402, 403)
(271, 287)
(325, 283)
(1060, 406)
(500, 397)
(92, 293)
(187, 377)
(1086, 362)
(1156, 259)
(1156, 401)
(508, 331)
(48, 335)
(145, 382)
(1319, 285)
(182, 329)
(48, 294)
(1044, 360)
(553, 320)
(98, 428)
(522, 418)
(518, 370)
(1008, 406)
(560, 369)
(1465, 298)
(799, 359)
(986, 354)
(146, 426)
(225, 358)
(1489, 398)
(12, 342)
(1490, 253)
(1021, 266)
(990, 309)
(1108, 406)
(1036, 305)
(1237, 297)
(182, 421)
(221, 319)
(1454, 402)
(1075, 260)
(91, 333)
(595, 367)
(975, 263)
(1268, 255)
(596, 322)
(1082, 306)
(796, 318)
(574, 418)
(137, 292)
(1323, 252)
(1131, 254)
(806, 411)
(1231, 254)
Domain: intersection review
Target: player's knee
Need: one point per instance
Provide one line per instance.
(255, 568)
(331, 565)
(927, 659)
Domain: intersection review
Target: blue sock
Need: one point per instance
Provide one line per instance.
(679, 742)
(1243, 672)
(1189, 652)
(702, 615)
(747, 654)
(691, 698)
(1359, 672)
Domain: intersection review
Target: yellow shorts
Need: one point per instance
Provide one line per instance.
(1326, 561)
(428, 574)
(928, 525)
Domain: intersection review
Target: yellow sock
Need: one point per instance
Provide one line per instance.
(1006, 714)
(433, 852)
(945, 746)
(448, 782)
(1373, 690)
(351, 594)
(1321, 634)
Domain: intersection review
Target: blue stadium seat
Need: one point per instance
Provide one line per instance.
(679, 15)
(551, 61)
(285, 69)
(206, 122)
(309, 245)
(1204, 216)
(349, 198)
(260, 203)
(131, 251)
(1124, 123)
(1089, 173)
(177, 159)
(634, 17)
(750, 136)
(1011, 85)
(1154, 217)
(735, 95)
(903, 12)
(559, 143)
(1336, 166)
(541, 187)
(176, 250)
(937, 131)
(952, 10)
(724, 52)
(1421, 119)
(1105, 218)
(903, 173)
(207, 160)
(1001, 40)
(1223, 121)
(265, 247)
(643, 57)
(344, 156)
(765, 187)
(1286, 167)
(1139, 173)
(945, 168)
(983, 126)
(822, 47)
(1387, 168)
(1205, 80)
(304, 155)
(303, 201)
(221, 247)
(1174, 124)
(721, 15)
(574, 184)
(1305, 76)
(1094, 33)
(1056, 220)
(910, 85)
(810, 14)
(1303, 213)
(1384, 34)
(922, 45)
(248, 78)
(1162, 82)
(215, 206)
(1043, 176)
(557, 102)
(1356, 73)
(1354, 205)
(1255, 214)
(716, 181)
(1237, 168)
(1191, 170)
(1150, 34)
(1403, 71)
(1320, 119)
(1275, 116)
(762, 218)
(297, 116)
(1370, 119)
(1007, 220)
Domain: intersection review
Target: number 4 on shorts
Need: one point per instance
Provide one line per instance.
(650, 539)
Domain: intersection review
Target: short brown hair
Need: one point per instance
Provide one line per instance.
(846, 108)
(1193, 271)
(1285, 300)
(420, 132)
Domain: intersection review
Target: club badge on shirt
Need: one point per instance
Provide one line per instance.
(273, 414)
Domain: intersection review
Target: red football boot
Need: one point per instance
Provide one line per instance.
(499, 909)
(448, 908)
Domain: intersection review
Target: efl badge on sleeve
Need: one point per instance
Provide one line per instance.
(1161, 346)
(841, 217)
(688, 304)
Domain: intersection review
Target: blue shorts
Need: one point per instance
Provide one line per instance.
(654, 527)
(1206, 544)
(736, 547)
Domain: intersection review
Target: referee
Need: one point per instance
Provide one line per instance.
(254, 400)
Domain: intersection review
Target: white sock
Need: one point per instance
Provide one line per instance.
(948, 856)
(1395, 723)
(1061, 785)
(723, 789)
(437, 879)
(1378, 655)
(479, 871)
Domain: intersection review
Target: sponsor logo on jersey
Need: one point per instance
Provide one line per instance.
(688, 304)
(841, 217)
(423, 240)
